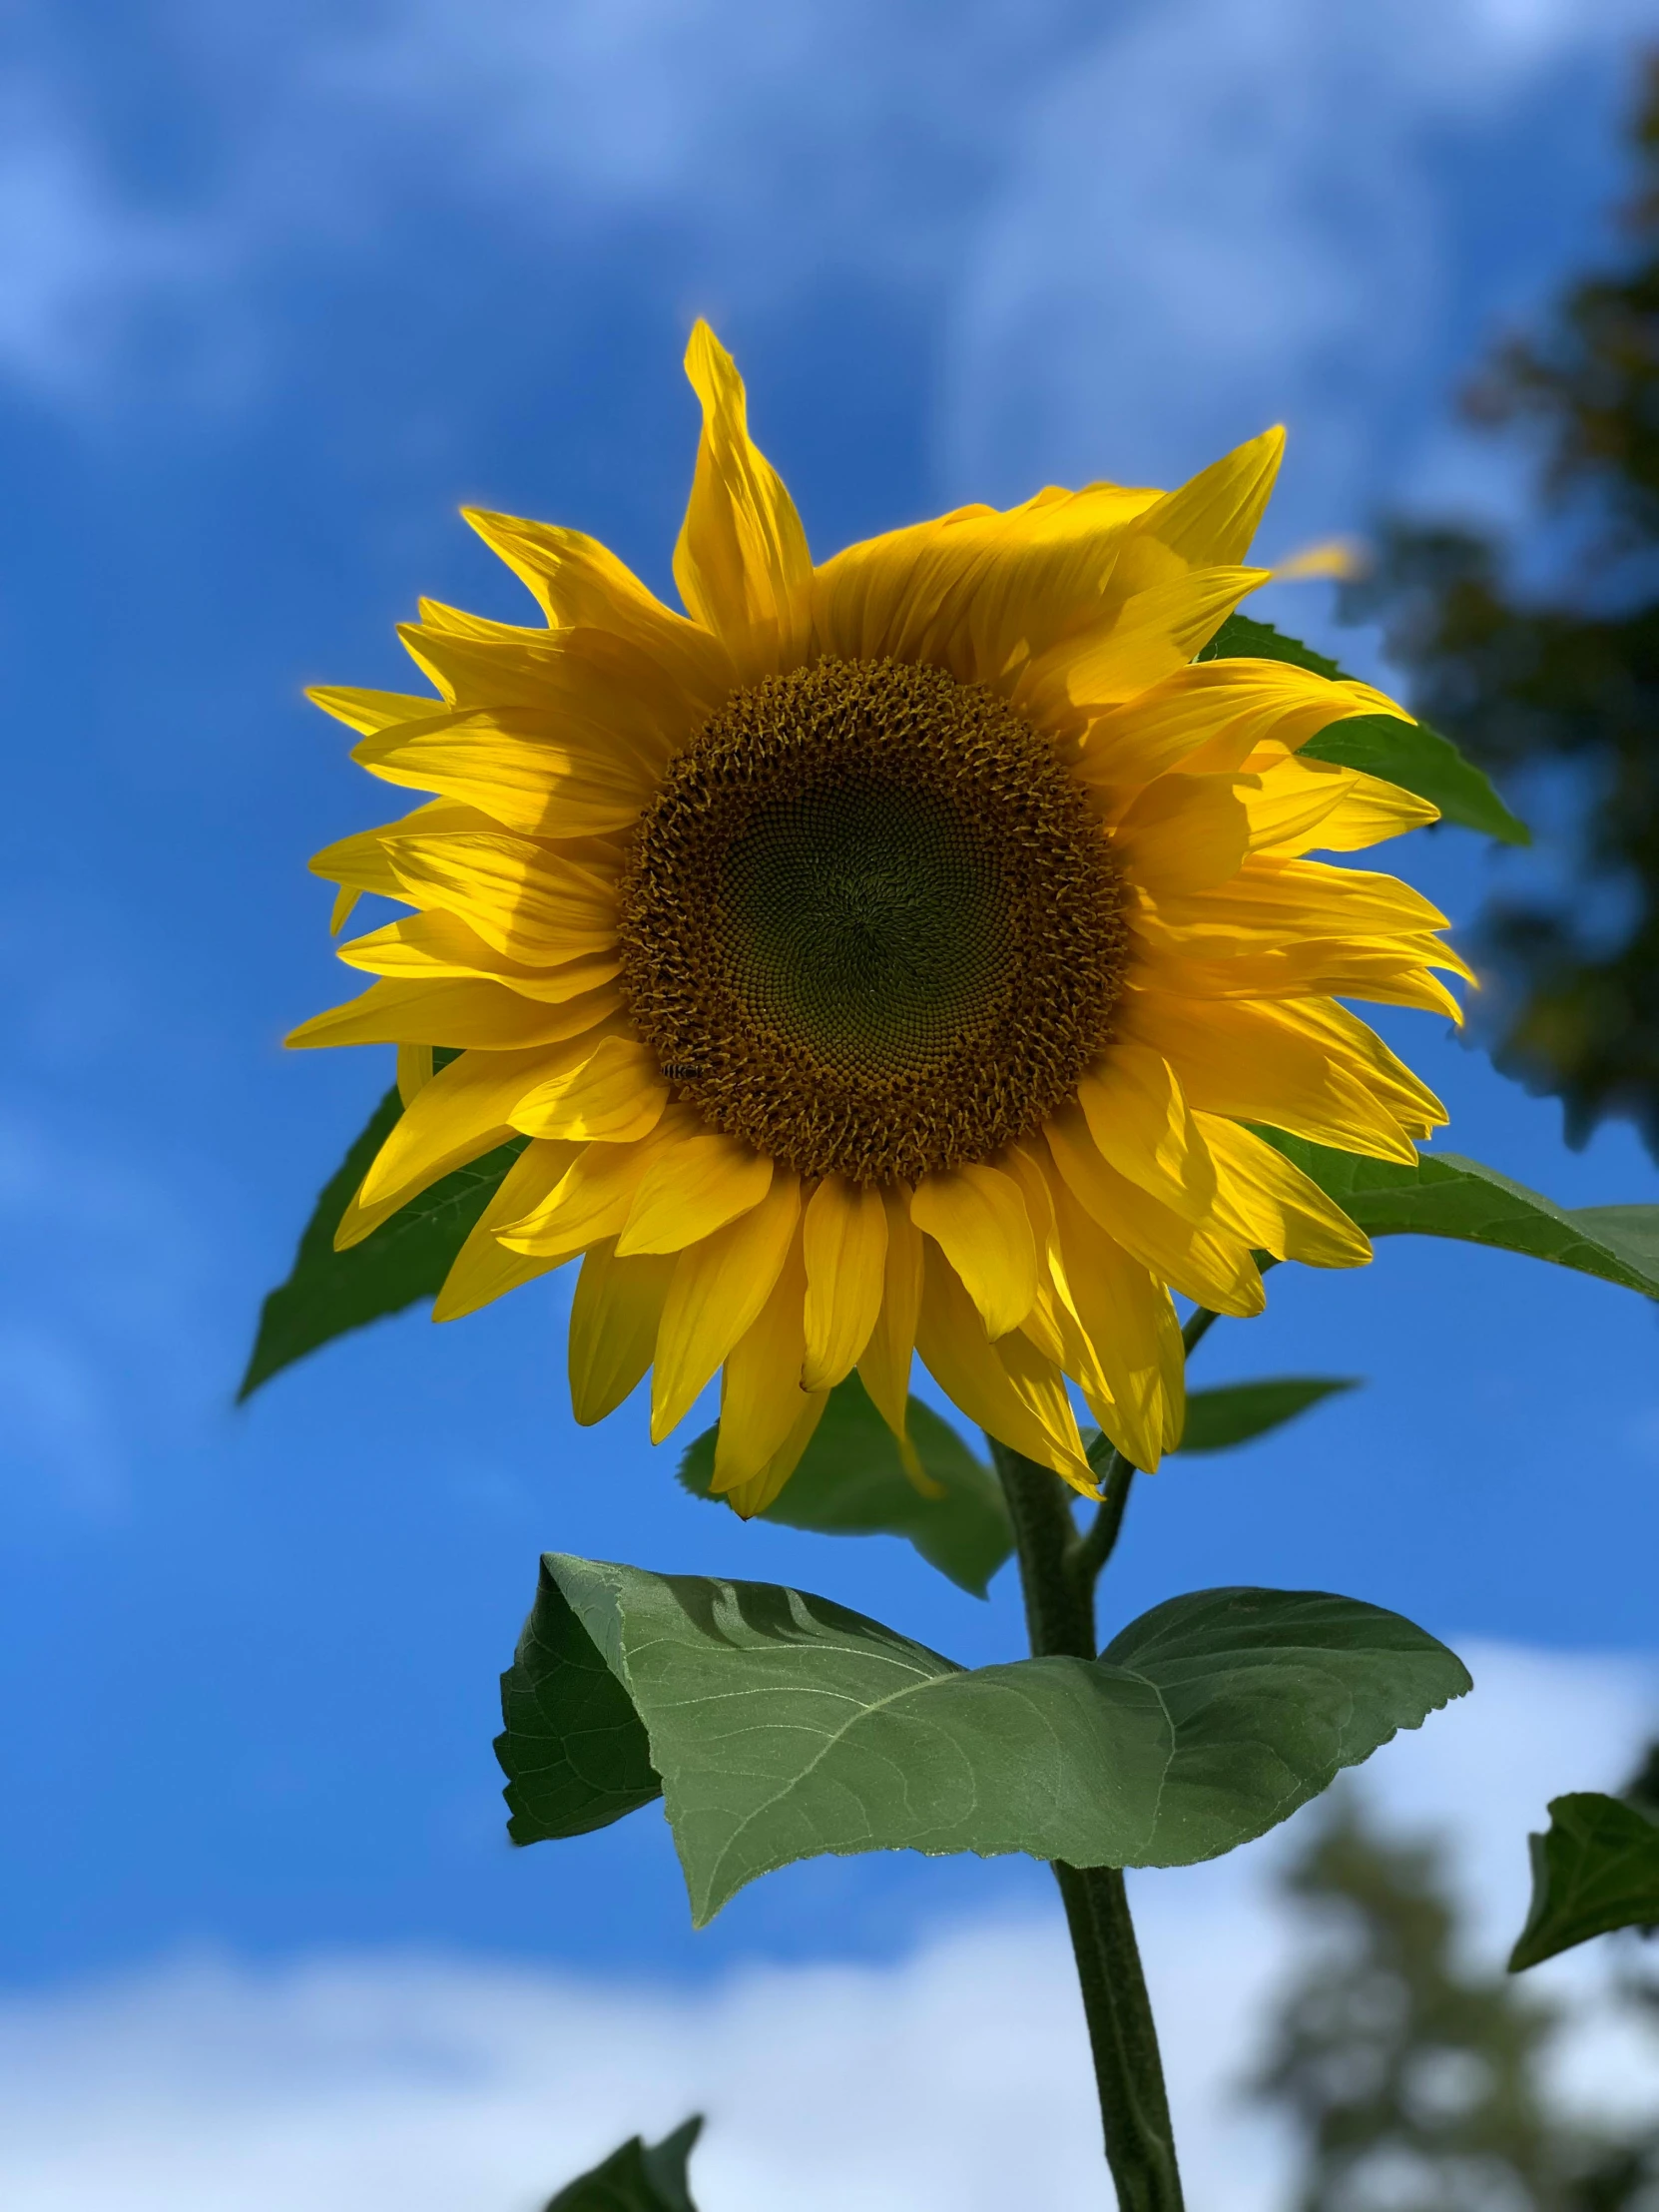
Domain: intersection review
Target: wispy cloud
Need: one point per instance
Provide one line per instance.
(953, 2081)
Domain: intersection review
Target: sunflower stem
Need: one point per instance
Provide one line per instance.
(1058, 1585)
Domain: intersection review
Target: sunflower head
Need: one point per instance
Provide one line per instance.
(882, 957)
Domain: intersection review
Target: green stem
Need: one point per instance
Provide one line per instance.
(1091, 1551)
(1059, 1611)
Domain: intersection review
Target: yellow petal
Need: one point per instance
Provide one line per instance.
(1213, 517)
(1009, 1388)
(462, 1113)
(593, 1198)
(361, 863)
(582, 585)
(1183, 834)
(1138, 1116)
(697, 1185)
(977, 1218)
(754, 1497)
(558, 782)
(1290, 1066)
(1302, 806)
(1201, 1262)
(484, 1269)
(845, 1254)
(439, 945)
(1208, 718)
(885, 1362)
(613, 1316)
(719, 1288)
(414, 1069)
(761, 1397)
(616, 1095)
(1130, 1323)
(742, 563)
(529, 901)
(487, 1016)
(1154, 632)
(1267, 1200)
(372, 709)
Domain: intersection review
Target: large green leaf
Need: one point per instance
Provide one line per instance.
(1597, 1869)
(640, 2177)
(1237, 1412)
(784, 1726)
(1445, 1195)
(574, 1751)
(407, 1256)
(1408, 754)
(850, 1482)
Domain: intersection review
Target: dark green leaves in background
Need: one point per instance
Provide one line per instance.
(1597, 1869)
(407, 1256)
(784, 1726)
(640, 2177)
(1408, 754)
(850, 1482)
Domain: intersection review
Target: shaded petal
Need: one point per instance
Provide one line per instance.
(1183, 834)
(885, 1364)
(1139, 1118)
(511, 767)
(761, 1397)
(706, 1181)
(718, 1290)
(462, 1113)
(1201, 1262)
(754, 1497)
(1312, 1069)
(1129, 1320)
(1154, 632)
(614, 1316)
(1009, 1388)
(593, 1199)
(433, 944)
(582, 585)
(1267, 1201)
(485, 1269)
(482, 1015)
(977, 1218)
(533, 903)
(741, 562)
(845, 1255)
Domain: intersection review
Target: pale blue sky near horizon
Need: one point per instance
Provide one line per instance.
(279, 290)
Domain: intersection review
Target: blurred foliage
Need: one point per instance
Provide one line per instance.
(1414, 2082)
(1561, 686)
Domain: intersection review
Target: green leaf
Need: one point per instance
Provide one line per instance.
(1411, 754)
(640, 2177)
(574, 1750)
(784, 1726)
(1218, 1420)
(1597, 1869)
(850, 1482)
(407, 1256)
(1445, 1195)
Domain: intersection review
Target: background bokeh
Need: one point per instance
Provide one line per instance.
(280, 288)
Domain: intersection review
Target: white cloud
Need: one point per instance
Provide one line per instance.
(1135, 240)
(953, 2080)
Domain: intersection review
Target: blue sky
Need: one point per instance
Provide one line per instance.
(280, 288)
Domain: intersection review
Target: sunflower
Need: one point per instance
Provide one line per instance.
(881, 959)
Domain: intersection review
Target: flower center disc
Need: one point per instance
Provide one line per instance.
(870, 923)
